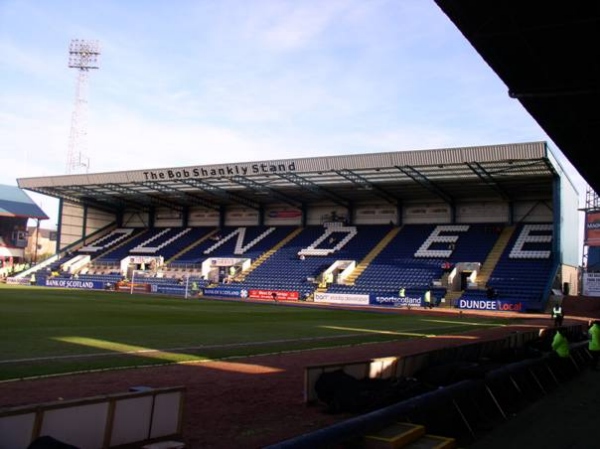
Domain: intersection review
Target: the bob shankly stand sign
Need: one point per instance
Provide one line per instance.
(222, 170)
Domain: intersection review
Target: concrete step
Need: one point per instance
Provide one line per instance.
(403, 435)
(395, 436)
(165, 445)
(432, 442)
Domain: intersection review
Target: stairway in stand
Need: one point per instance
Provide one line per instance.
(486, 268)
(191, 246)
(118, 245)
(363, 264)
(494, 256)
(451, 298)
(240, 277)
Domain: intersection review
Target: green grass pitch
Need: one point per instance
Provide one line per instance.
(48, 331)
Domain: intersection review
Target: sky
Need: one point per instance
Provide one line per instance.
(222, 81)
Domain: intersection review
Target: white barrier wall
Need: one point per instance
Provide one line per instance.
(97, 422)
(201, 216)
(487, 211)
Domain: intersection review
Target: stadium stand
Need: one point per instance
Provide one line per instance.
(357, 232)
(16, 208)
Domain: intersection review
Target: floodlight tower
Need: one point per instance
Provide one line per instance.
(83, 56)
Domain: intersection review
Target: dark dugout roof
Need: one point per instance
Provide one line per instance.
(14, 202)
(506, 172)
(548, 54)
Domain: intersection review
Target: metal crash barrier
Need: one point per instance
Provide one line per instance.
(464, 410)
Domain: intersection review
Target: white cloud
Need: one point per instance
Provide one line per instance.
(293, 25)
(208, 82)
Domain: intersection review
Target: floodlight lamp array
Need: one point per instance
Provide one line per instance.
(83, 54)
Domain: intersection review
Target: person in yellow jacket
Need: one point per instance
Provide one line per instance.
(560, 345)
(557, 315)
(594, 343)
(427, 300)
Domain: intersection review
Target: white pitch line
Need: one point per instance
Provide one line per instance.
(229, 345)
(154, 351)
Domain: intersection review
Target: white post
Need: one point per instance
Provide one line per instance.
(187, 282)
(131, 282)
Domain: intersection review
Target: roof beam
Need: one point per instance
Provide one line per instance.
(365, 184)
(556, 92)
(422, 180)
(56, 193)
(262, 189)
(486, 177)
(221, 193)
(101, 201)
(150, 199)
(178, 193)
(314, 188)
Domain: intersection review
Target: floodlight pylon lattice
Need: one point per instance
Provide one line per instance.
(83, 56)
